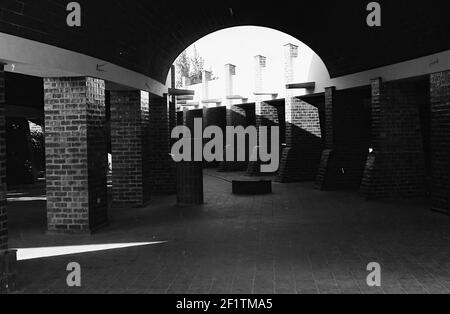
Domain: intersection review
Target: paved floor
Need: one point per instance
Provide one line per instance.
(297, 240)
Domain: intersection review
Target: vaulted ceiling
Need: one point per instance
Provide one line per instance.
(148, 35)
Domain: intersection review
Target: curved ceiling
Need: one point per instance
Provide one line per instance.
(147, 36)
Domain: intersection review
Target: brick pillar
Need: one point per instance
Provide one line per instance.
(162, 175)
(397, 165)
(440, 137)
(190, 174)
(301, 156)
(76, 151)
(346, 147)
(3, 189)
(130, 138)
(8, 258)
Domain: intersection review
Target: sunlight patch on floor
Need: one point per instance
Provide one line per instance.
(45, 252)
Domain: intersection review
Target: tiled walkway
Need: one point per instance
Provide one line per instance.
(297, 240)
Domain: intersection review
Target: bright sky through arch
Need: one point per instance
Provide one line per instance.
(239, 46)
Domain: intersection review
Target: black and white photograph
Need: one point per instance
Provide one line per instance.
(229, 155)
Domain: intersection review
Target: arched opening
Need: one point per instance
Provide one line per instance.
(251, 76)
(240, 44)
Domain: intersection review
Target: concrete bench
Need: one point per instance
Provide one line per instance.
(250, 187)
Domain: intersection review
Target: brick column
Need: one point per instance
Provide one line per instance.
(8, 258)
(190, 174)
(346, 147)
(3, 189)
(440, 138)
(397, 165)
(162, 175)
(130, 137)
(76, 153)
(301, 157)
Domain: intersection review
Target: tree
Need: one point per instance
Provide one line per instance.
(183, 68)
(189, 66)
(198, 64)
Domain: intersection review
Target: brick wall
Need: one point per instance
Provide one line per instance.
(347, 125)
(190, 174)
(162, 175)
(396, 168)
(266, 115)
(3, 189)
(76, 154)
(440, 117)
(130, 136)
(300, 159)
(236, 116)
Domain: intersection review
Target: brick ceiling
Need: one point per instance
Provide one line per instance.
(147, 35)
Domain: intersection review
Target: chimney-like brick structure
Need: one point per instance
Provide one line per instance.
(230, 72)
(186, 82)
(347, 140)
(266, 114)
(440, 138)
(396, 167)
(236, 115)
(190, 173)
(131, 150)
(260, 65)
(3, 189)
(163, 172)
(206, 78)
(76, 154)
(301, 156)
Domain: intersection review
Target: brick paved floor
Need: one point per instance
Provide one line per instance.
(297, 240)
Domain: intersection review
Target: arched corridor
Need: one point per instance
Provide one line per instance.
(358, 128)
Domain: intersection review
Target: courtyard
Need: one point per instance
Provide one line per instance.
(296, 240)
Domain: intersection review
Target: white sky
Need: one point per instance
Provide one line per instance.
(239, 46)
